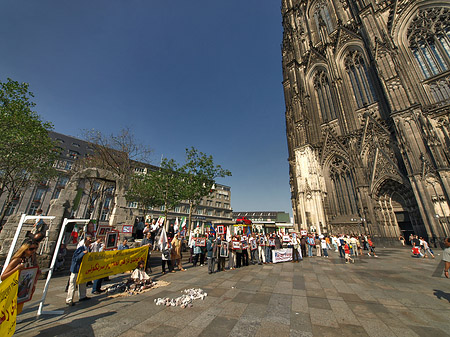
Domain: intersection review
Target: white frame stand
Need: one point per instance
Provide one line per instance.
(23, 218)
(52, 266)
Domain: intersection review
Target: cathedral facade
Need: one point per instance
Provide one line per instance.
(367, 93)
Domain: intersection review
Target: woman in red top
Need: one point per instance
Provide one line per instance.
(348, 258)
(371, 247)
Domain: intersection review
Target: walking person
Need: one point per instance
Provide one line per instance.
(371, 246)
(426, 249)
(348, 257)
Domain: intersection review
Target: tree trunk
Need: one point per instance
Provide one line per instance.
(189, 219)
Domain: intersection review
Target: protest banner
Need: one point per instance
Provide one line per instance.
(102, 264)
(282, 255)
(8, 305)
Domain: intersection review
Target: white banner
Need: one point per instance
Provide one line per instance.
(282, 255)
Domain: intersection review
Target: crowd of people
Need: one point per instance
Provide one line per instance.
(219, 251)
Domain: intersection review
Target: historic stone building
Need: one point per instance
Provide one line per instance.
(367, 92)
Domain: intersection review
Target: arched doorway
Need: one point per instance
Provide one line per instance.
(397, 212)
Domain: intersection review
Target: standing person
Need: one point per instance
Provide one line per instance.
(231, 255)
(402, 240)
(325, 247)
(354, 242)
(295, 249)
(39, 226)
(261, 249)
(197, 251)
(211, 249)
(268, 250)
(446, 256)
(416, 246)
(310, 241)
(220, 259)
(303, 245)
(239, 253)
(74, 269)
(25, 257)
(317, 242)
(165, 258)
(341, 244)
(176, 252)
(153, 228)
(139, 228)
(147, 241)
(97, 246)
(123, 245)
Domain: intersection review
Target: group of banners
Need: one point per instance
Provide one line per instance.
(8, 305)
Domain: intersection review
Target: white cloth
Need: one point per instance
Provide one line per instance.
(140, 275)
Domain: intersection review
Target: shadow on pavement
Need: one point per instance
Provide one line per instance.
(441, 294)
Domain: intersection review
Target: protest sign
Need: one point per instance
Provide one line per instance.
(102, 264)
(282, 255)
(8, 305)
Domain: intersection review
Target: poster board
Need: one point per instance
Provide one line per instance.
(27, 284)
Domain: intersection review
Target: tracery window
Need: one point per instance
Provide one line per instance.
(325, 96)
(429, 40)
(322, 16)
(360, 79)
(343, 187)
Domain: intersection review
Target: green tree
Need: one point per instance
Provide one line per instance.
(144, 191)
(160, 187)
(199, 177)
(27, 153)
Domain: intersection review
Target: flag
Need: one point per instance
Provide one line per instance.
(211, 229)
(163, 239)
(176, 226)
(228, 235)
(160, 221)
(183, 222)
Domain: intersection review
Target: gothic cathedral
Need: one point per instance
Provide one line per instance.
(367, 92)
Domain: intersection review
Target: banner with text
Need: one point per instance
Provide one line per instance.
(282, 255)
(8, 305)
(102, 264)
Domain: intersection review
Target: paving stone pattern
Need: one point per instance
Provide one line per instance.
(393, 295)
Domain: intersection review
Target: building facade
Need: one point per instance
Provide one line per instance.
(367, 93)
(96, 198)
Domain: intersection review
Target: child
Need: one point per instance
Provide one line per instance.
(347, 254)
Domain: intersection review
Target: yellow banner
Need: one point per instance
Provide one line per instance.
(102, 264)
(8, 305)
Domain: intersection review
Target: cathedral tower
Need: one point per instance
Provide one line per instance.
(367, 93)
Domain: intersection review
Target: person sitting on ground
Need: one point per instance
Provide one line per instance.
(139, 276)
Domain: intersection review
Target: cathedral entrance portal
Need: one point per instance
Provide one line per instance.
(397, 211)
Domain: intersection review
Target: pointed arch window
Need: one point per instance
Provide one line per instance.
(360, 79)
(343, 187)
(429, 40)
(322, 17)
(325, 96)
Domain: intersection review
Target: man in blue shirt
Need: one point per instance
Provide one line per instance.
(74, 269)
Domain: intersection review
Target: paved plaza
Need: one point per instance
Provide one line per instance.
(392, 295)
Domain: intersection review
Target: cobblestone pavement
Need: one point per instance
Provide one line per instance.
(392, 295)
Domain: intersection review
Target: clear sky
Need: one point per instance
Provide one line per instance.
(179, 73)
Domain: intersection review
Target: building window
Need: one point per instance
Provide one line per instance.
(324, 96)
(322, 17)
(132, 204)
(177, 209)
(343, 187)
(200, 211)
(359, 78)
(68, 165)
(210, 212)
(33, 208)
(12, 207)
(218, 204)
(429, 40)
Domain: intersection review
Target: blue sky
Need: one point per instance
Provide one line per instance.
(179, 73)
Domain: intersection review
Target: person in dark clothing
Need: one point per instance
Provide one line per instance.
(303, 245)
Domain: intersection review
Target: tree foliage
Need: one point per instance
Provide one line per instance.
(199, 176)
(27, 153)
